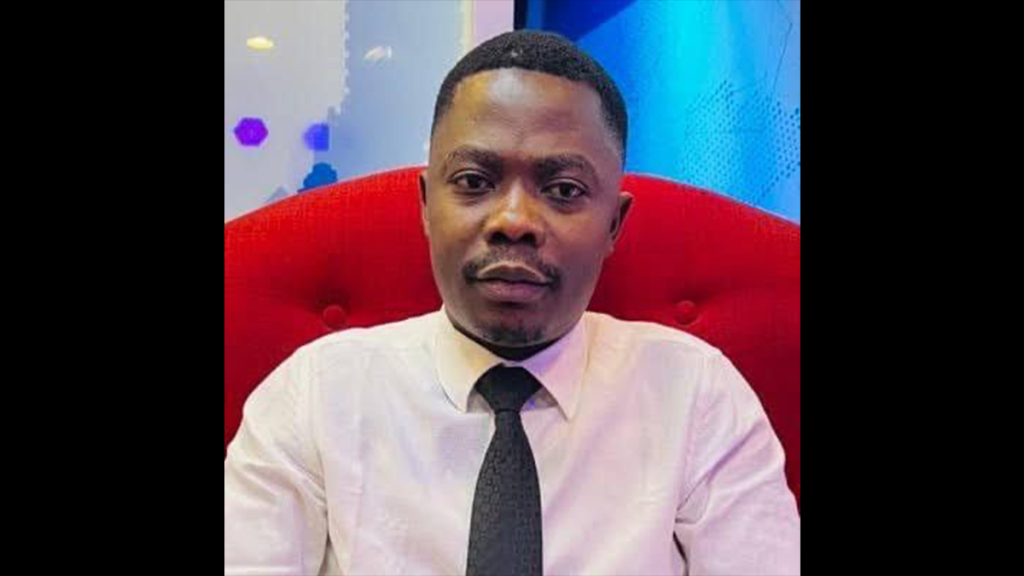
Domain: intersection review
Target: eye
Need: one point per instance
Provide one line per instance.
(565, 191)
(472, 182)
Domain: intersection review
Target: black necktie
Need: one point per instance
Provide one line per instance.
(505, 530)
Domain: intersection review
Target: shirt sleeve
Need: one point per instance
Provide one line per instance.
(275, 514)
(737, 514)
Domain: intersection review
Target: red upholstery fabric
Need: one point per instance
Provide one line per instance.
(354, 254)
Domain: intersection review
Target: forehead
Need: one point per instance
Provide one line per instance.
(514, 109)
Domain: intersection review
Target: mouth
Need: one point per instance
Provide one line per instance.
(511, 283)
(512, 274)
(502, 291)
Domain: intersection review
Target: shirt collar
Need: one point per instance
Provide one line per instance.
(460, 362)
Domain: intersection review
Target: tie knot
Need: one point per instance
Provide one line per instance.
(507, 388)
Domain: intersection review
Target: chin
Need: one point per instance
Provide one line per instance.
(513, 335)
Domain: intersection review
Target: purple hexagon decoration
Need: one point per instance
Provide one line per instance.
(251, 132)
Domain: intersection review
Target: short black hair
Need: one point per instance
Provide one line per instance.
(545, 52)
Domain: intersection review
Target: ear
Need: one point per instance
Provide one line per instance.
(423, 202)
(625, 203)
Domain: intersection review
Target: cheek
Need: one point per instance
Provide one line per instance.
(449, 238)
(583, 264)
(455, 227)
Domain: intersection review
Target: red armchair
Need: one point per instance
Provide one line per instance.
(354, 254)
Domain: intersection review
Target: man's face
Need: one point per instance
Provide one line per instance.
(521, 204)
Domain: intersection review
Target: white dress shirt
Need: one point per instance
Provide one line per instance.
(360, 455)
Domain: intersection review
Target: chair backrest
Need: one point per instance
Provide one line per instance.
(354, 254)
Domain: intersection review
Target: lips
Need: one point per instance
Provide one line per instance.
(513, 273)
(512, 283)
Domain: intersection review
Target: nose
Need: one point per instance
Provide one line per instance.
(517, 218)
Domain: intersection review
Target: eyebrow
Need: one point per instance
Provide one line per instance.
(553, 165)
(543, 168)
(486, 159)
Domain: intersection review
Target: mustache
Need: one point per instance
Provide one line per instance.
(471, 269)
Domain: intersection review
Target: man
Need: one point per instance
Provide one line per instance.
(512, 432)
